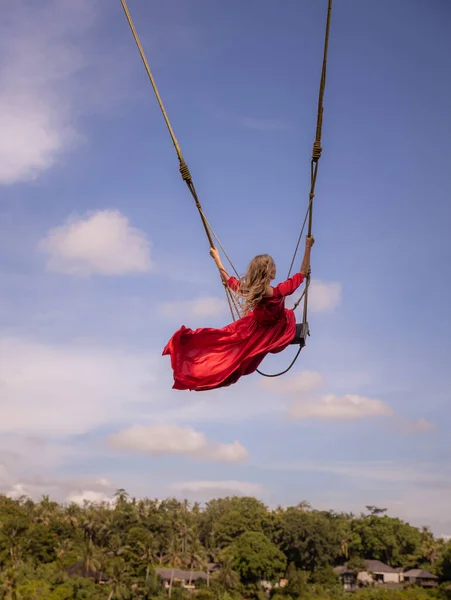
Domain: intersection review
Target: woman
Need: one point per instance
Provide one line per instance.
(209, 358)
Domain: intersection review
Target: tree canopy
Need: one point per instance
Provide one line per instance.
(61, 552)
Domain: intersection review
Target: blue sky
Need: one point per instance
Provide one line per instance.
(103, 257)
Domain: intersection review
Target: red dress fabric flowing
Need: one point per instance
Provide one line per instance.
(208, 358)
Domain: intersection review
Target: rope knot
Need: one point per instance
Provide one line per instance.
(184, 171)
(311, 196)
(317, 149)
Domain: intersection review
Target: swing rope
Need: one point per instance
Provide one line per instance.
(316, 155)
(187, 178)
(183, 167)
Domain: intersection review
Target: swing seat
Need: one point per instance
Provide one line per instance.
(300, 337)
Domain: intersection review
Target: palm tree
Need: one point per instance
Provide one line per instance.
(90, 562)
(72, 515)
(117, 574)
(304, 506)
(62, 548)
(89, 525)
(121, 496)
(146, 508)
(102, 560)
(45, 511)
(212, 547)
(147, 553)
(174, 560)
(184, 532)
(116, 547)
(196, 509)
(226, 576)
(429, 545)
(196, 556)
(14, 532)
(345, 539)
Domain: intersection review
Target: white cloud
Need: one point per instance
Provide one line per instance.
(89, 496)
(209, 306)
(101, 242)
(17, 490)
(234, 452)
(69, 388)
(18, 482)
(323, 296)
(42, 54)
(344, 408)
(161, 439)
(57, 389)
(55, 70)
(103, 482)
(218, 488)
(305, 381)
(420, 426)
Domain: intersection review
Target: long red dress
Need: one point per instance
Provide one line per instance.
(209, 358)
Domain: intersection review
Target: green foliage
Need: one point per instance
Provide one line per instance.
(34, 590)
(444, 563)
(356, 564)
(297, 582)
(325, 576)
(226, 576)
(99, 552)
(379, 593)
(205, 594)
(225, 519)
(257, 558)
(309, 539)
(387, 539)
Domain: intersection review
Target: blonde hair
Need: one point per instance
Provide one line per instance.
(255, 282)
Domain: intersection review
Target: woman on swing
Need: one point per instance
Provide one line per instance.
(209, 358)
